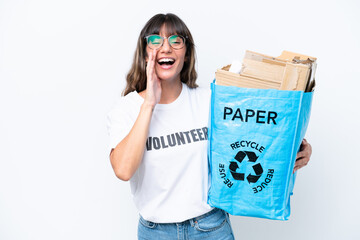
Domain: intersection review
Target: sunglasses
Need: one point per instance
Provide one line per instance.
(156, 41)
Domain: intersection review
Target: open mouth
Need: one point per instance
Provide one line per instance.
(166, 61)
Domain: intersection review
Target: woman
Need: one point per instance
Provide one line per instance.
(158, 133)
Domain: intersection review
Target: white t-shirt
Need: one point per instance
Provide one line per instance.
(172, 181)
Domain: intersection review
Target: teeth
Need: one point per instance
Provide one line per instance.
(166, 60)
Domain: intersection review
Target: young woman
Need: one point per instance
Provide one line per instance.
(158, 134)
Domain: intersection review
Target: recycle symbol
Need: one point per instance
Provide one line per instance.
(240, 156)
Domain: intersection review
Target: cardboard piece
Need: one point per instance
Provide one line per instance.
(289, 71)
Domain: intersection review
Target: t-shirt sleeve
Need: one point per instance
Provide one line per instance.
(119, 124)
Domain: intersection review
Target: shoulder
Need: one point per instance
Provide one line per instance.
(202, 92)
(126, 104)
(130, 100)
(199, 96)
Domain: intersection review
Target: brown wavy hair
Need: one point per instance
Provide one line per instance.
(136, 77)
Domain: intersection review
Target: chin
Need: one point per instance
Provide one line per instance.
(168, 76)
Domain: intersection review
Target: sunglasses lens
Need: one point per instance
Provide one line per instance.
(176, 41)
(154, 41)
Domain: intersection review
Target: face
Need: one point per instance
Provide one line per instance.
(168, 62)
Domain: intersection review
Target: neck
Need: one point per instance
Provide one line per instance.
(170, 91)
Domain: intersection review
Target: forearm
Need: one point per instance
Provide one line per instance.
(127, 155)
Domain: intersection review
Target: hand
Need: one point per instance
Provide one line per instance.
(303, 156)
(153, 85)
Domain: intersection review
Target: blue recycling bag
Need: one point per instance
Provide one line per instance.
(254, 136)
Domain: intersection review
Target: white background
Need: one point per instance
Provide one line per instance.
(63, 64)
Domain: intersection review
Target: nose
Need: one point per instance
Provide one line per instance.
(166, 46)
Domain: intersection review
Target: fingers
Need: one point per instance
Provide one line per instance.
(305, 150)
(150, 68)
(153, 85)
(301, 163)
(148, 64)
(296, 168)
(303, 156)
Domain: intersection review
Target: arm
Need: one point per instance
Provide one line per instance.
(303, 156)
(127, 155)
